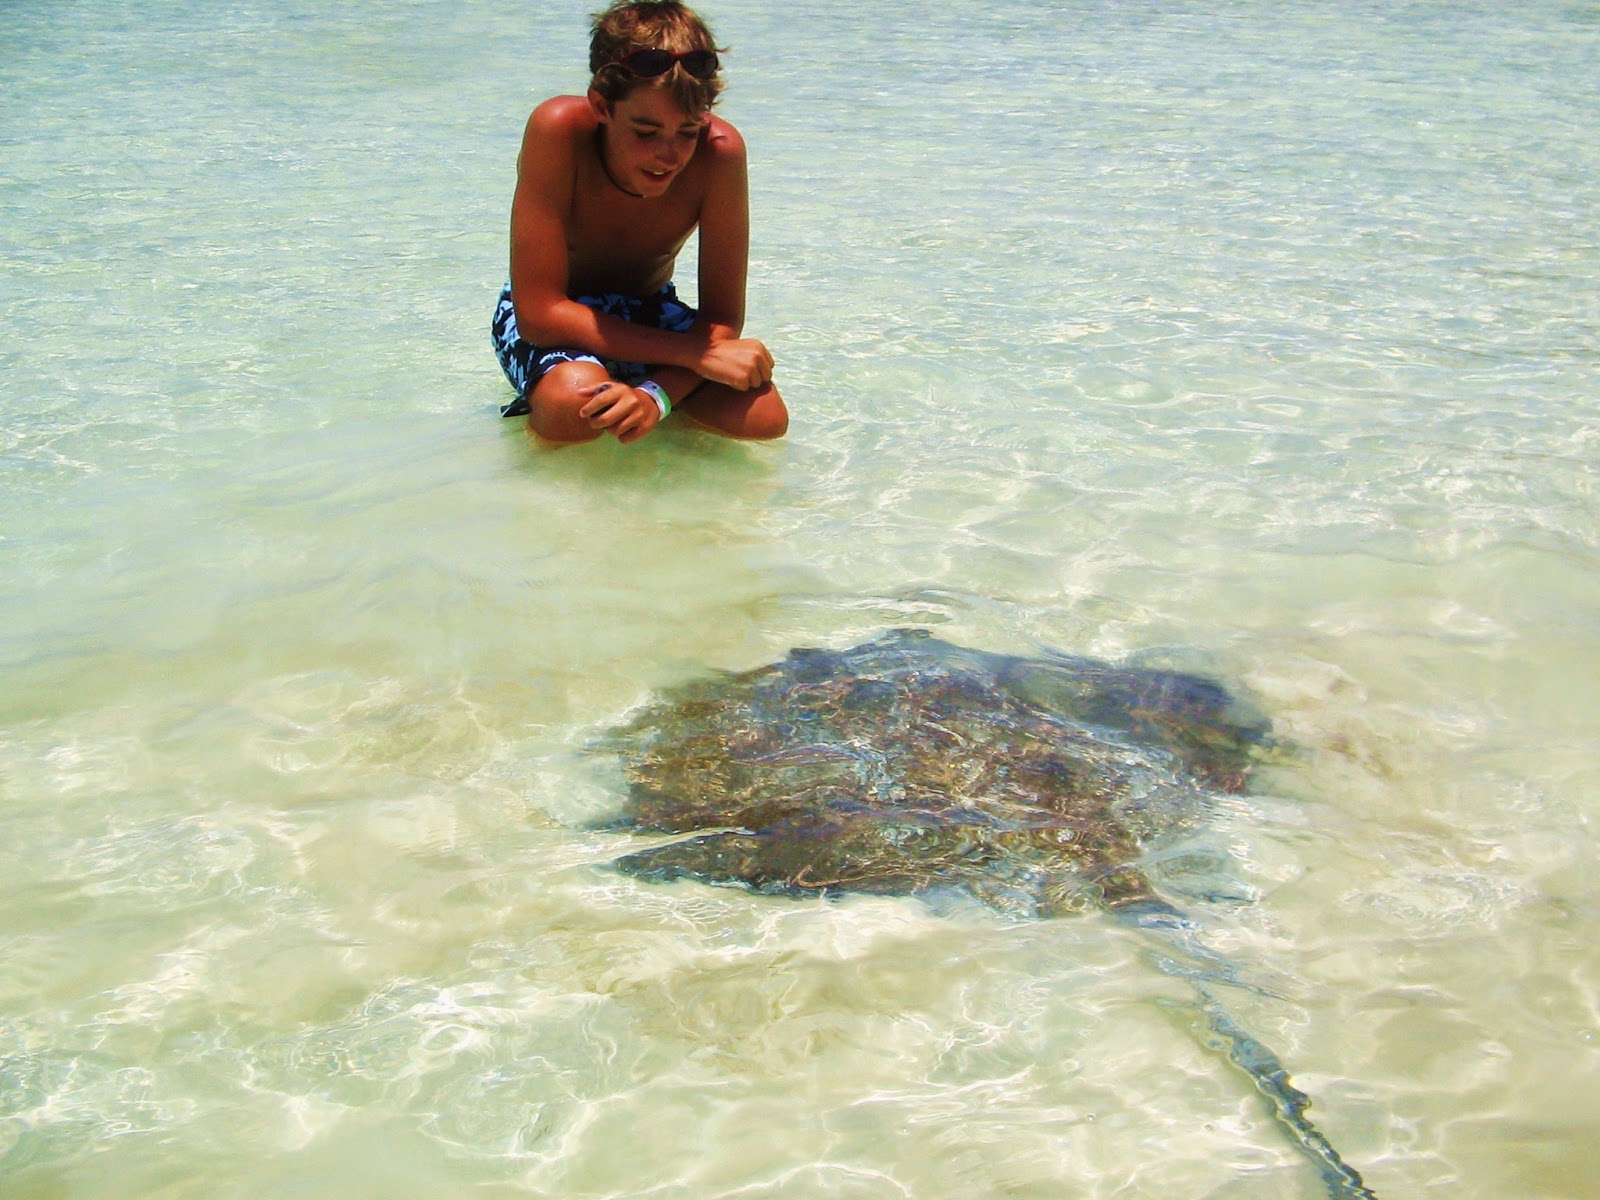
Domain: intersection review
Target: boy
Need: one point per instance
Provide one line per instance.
(589, 329)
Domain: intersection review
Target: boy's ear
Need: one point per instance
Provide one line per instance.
(601, 106)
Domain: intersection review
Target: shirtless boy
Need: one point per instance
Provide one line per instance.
(589, 330)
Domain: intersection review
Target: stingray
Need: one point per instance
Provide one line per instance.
(911, 766)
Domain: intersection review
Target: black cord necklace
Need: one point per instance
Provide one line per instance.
(600, 153)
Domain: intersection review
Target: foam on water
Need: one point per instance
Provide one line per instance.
(1259, 336)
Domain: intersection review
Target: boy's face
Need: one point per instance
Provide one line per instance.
(649, 138)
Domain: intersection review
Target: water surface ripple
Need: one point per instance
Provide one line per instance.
(1256, 338)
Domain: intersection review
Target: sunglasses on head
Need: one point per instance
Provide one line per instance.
(647, 64)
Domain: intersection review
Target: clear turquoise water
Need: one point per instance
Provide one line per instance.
(1259, 335)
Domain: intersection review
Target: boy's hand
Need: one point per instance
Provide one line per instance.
(625, 412)
(739, 363)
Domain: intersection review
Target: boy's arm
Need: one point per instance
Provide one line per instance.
(725, 236)
(546, 170)
(724, 262)
(728, 358)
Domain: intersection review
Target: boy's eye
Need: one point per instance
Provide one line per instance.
(686, 136)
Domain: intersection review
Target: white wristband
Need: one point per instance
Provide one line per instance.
(657, 393)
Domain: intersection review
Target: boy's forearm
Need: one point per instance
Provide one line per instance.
(627, 342)
(715, 328)
(574, 325)
(678, 382)
(711, 349)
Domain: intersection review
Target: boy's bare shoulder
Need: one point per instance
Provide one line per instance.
(723, 142)
(563, 118)
(552, 140)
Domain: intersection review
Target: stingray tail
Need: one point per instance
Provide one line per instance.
(1288, 1102)
(1265, 1069)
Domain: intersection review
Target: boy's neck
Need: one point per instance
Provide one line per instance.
(600, 153)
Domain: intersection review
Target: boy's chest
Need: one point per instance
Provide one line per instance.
(619, 241)
(621, 229)
(605, 233)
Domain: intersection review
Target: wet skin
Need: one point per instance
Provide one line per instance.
(607, 195)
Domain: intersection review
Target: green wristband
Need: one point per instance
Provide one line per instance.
(657, 393)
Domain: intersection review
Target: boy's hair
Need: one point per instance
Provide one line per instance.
(630, 25)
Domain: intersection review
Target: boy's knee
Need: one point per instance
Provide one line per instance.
(768, 417)
(757, 415)
(563, 384)
(554, 403)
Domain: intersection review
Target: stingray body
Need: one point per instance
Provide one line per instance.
(910, 766)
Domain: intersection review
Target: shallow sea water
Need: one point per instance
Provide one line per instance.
(1258, 337)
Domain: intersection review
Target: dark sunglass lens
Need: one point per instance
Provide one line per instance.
(702, 64)
(647, 64)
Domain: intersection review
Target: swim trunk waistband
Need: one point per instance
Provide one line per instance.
(525, 364)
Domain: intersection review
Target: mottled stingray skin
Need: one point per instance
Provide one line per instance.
(907, 765)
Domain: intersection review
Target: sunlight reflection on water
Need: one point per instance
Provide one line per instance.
(1266, 338)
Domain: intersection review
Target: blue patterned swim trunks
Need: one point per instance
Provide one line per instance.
(525, 364)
